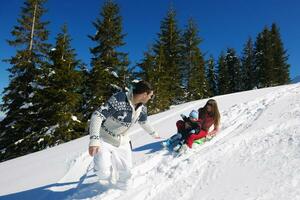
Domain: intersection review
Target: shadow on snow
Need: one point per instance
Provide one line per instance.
(45, 192)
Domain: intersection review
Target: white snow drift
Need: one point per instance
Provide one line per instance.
(256, 156)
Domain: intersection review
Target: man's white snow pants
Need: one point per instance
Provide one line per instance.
(113, 160)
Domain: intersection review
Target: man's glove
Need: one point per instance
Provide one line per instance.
(183, 116)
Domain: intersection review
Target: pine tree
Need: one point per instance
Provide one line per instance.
(30, 37)
(161, 86)
(264, 59)
(193, 70)
(84, 90)
(152, 70)
(148, 67)
(234, 70)
(211, 77)
(249, 73)
(109, 66)
(148, 72)
(281, 67)
(271, 58)
(59, 117)
(223, 75)
(169, 41)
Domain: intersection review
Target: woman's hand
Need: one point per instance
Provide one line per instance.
(212, 134)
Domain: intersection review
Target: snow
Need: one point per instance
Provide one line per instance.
(19, 141)
(51, 73)
(26, 105)
(74, 118)
(2, 116)
(255, 156)
(115, 74)
(40, 140)
(260, 52)
(35, 85)
(135, 81)
(3, 150)
(52, 129)
(116, 87)
(11, 124)
(31, 94)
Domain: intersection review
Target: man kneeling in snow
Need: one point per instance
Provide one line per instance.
(109, 141)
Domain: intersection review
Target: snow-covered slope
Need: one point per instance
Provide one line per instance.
(256, 155)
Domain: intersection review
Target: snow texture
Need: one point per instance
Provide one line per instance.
(255, 156)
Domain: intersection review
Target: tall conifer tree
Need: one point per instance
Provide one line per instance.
(211, 77)
(169, 44)
(29, 38)
(193, 68)
(152, 70)
(234, 70)
(249, 71)
(109, 65)
(59, 117)
(281, 67)
(264, 59)
(223, 76)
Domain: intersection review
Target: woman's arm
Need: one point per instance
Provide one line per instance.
(213, 132)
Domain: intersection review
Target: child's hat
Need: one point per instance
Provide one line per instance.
(194, 114)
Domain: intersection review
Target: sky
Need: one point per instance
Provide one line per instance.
(252, 157)
(222, 24)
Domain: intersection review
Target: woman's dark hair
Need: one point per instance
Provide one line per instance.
(141, 87)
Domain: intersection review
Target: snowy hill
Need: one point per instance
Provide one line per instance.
(256, 155)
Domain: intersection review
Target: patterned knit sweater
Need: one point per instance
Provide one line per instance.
(110, 122)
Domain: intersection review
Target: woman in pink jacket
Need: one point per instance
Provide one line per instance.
(208, 115)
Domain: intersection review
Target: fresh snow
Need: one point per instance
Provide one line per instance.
(31, 95)
(26, 105)
(74, 118)
(19, 141)
(40, 140)
(115, 74)
(256, 156)
(51, 73)
(52, 129)
(11, 124)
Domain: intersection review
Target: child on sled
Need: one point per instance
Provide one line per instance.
(195, 127)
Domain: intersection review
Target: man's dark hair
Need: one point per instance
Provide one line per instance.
(141, 87)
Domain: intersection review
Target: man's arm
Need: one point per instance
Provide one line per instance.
(146, 125)
(94, 129)
(97, 119)
(149, 129)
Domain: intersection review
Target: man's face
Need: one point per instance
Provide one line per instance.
(147, 97)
